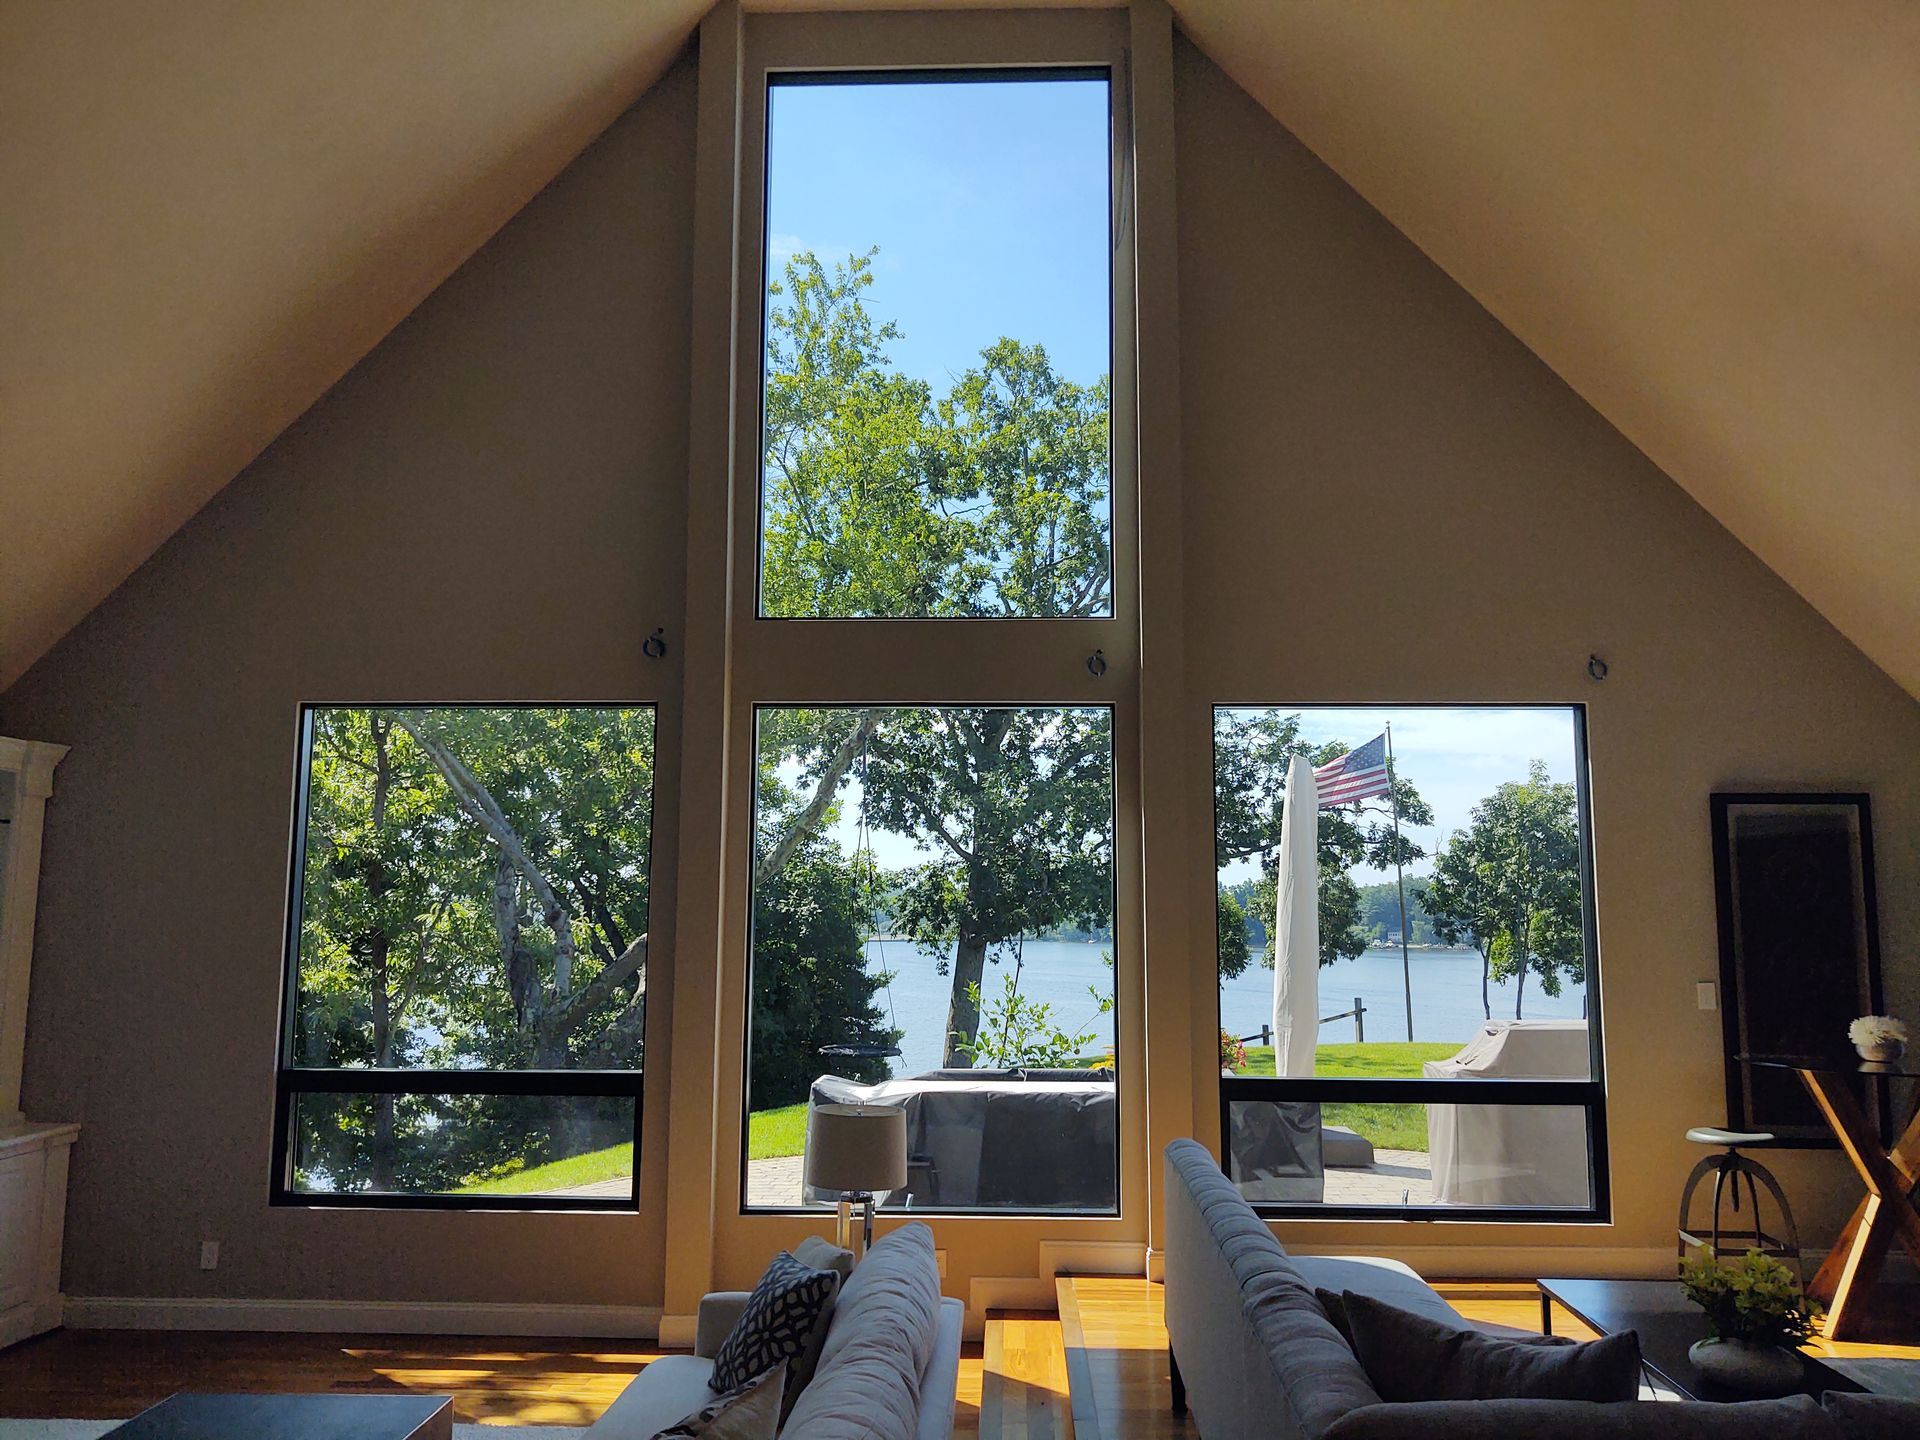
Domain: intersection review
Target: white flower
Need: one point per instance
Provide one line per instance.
(1877, 1030)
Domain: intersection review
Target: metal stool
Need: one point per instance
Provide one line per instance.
(1734, 1165)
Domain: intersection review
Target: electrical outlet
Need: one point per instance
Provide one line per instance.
(209, 1254)
(1705, 997)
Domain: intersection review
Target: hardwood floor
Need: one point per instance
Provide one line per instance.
(111, 1374)
(1097, 1371)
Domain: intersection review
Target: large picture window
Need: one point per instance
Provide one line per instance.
(467, 972)
(1408, 990)
(935, 391)
(933, 929)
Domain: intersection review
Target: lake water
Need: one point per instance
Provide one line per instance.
(1446, 995)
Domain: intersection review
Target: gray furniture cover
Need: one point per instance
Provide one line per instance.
(998, 1138)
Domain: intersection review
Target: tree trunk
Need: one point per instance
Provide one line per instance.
(963, 1015)
(1523, 949)
(381, 1153)
(1486, 994)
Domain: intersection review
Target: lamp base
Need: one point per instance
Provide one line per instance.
(843, 1231)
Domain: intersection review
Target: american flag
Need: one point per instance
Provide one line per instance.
(1357, 775)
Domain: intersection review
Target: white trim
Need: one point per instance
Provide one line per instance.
(400, 1317)
(1090, 1257)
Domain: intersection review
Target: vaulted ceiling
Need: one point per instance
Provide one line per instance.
(1704, 216)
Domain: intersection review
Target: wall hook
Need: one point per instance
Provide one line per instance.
(655, 644)
(1097, 664)
(1596, 667)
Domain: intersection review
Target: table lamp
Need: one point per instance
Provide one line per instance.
(856, 1150)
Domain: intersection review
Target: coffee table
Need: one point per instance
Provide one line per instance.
(293, 1417)
(1667, 1323)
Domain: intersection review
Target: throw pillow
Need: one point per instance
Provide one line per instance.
(816, 1254)
(1409, 1357)
(746, 1412)
(1336, 1308)
(776, 1323)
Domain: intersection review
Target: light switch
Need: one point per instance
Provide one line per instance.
(1705, 997)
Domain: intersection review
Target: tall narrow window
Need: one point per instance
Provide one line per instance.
(467, 976)
(933, 929)
(932, 894)
(1408, 997)
(937, 346)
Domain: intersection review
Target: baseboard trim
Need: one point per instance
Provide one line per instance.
(398, 1317)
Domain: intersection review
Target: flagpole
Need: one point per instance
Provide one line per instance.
(1400, 879)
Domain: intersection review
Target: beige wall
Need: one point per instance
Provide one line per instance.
(492, 506)
(1336, 383)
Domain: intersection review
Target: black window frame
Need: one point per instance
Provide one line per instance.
(1589, 1095)
(977, 1212)
(291, 1081)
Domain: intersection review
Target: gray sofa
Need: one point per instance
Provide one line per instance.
(889, 1367)
(1254, 1355)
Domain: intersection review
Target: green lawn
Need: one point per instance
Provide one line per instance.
(1372, 1061)
(773, 1133)
(1389, 1127)
(613, 1163)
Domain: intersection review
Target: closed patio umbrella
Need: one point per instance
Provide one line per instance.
(1296, 927)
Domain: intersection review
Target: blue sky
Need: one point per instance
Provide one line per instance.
(1455, 756)
(989, 202)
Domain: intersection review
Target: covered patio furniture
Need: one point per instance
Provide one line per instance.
(1511, 1154)
(984, 1139)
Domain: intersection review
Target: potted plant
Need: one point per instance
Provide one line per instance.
(1757, 1319)
(1878, 1037)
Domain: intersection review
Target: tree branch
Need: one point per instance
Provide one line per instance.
(484, 810)
(841, 761)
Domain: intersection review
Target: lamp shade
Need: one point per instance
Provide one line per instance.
(857, 1148)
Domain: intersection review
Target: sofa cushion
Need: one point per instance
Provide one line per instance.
(1795, 1418)
(777, 1323)
(1317, 1370)
(1383, 1279)
(867, 1386)
(750, 1411)
(1873, 1417)
(1241, 1235)
(1411, 1357)
(666, 1391)
(1332, 1302)
(1316, 1373)
(819, 1254)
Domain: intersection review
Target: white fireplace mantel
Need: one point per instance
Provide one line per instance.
(33, 1158)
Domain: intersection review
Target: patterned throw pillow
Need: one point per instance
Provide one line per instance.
(746, 1412)
(777, 1322)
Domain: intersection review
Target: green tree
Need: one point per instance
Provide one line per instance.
(1251, 754)
(474, 896)
(990, 500)
(1235, 951)
(811, 988)
(1511, 881)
